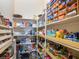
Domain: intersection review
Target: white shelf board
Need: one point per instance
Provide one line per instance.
(19, 27)
(24, 35)
(23, 19)
(19, 35)
(25, 43)
(5, 45)
(5, 37)
(66, 20)
(51, 55)
(13, 57)
(40, 45)
(65, 42)
(3, 26)
(38, 51)
(24, 52)
(4, 32)
(34, 26)
(41, 26)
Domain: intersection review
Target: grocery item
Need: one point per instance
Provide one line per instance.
(60, 34)
(73, 6)
(26, 23)
(15, 24)
(55, 52)
(62, 5)
(7, 56)
(48, 57)
(53, 33)
(61, 8)
(61, 12)
(73, 36)
(61, 17)
(77, 36)
(49, 33)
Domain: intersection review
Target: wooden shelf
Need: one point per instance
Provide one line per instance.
(5, 45)
(43, 26)
(12, 57)
(24, 52)
(6, 27)
(41, 36)
(66, 20)
(5, 37)
(23, 19)
(51, 55)
(19, 27)
(5, 32)
(19, 35)
(65, 42)
(41, 45)
(25, 35)
(2, 26)
(39, 52)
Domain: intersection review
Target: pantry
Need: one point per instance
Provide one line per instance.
(52, 34)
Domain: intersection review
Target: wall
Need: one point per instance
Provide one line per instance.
(6, 7)
(28, 8)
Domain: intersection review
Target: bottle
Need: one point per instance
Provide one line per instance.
(77, 36)
(15, 24)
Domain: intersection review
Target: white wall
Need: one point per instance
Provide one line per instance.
(6, 7)
(28, 8)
